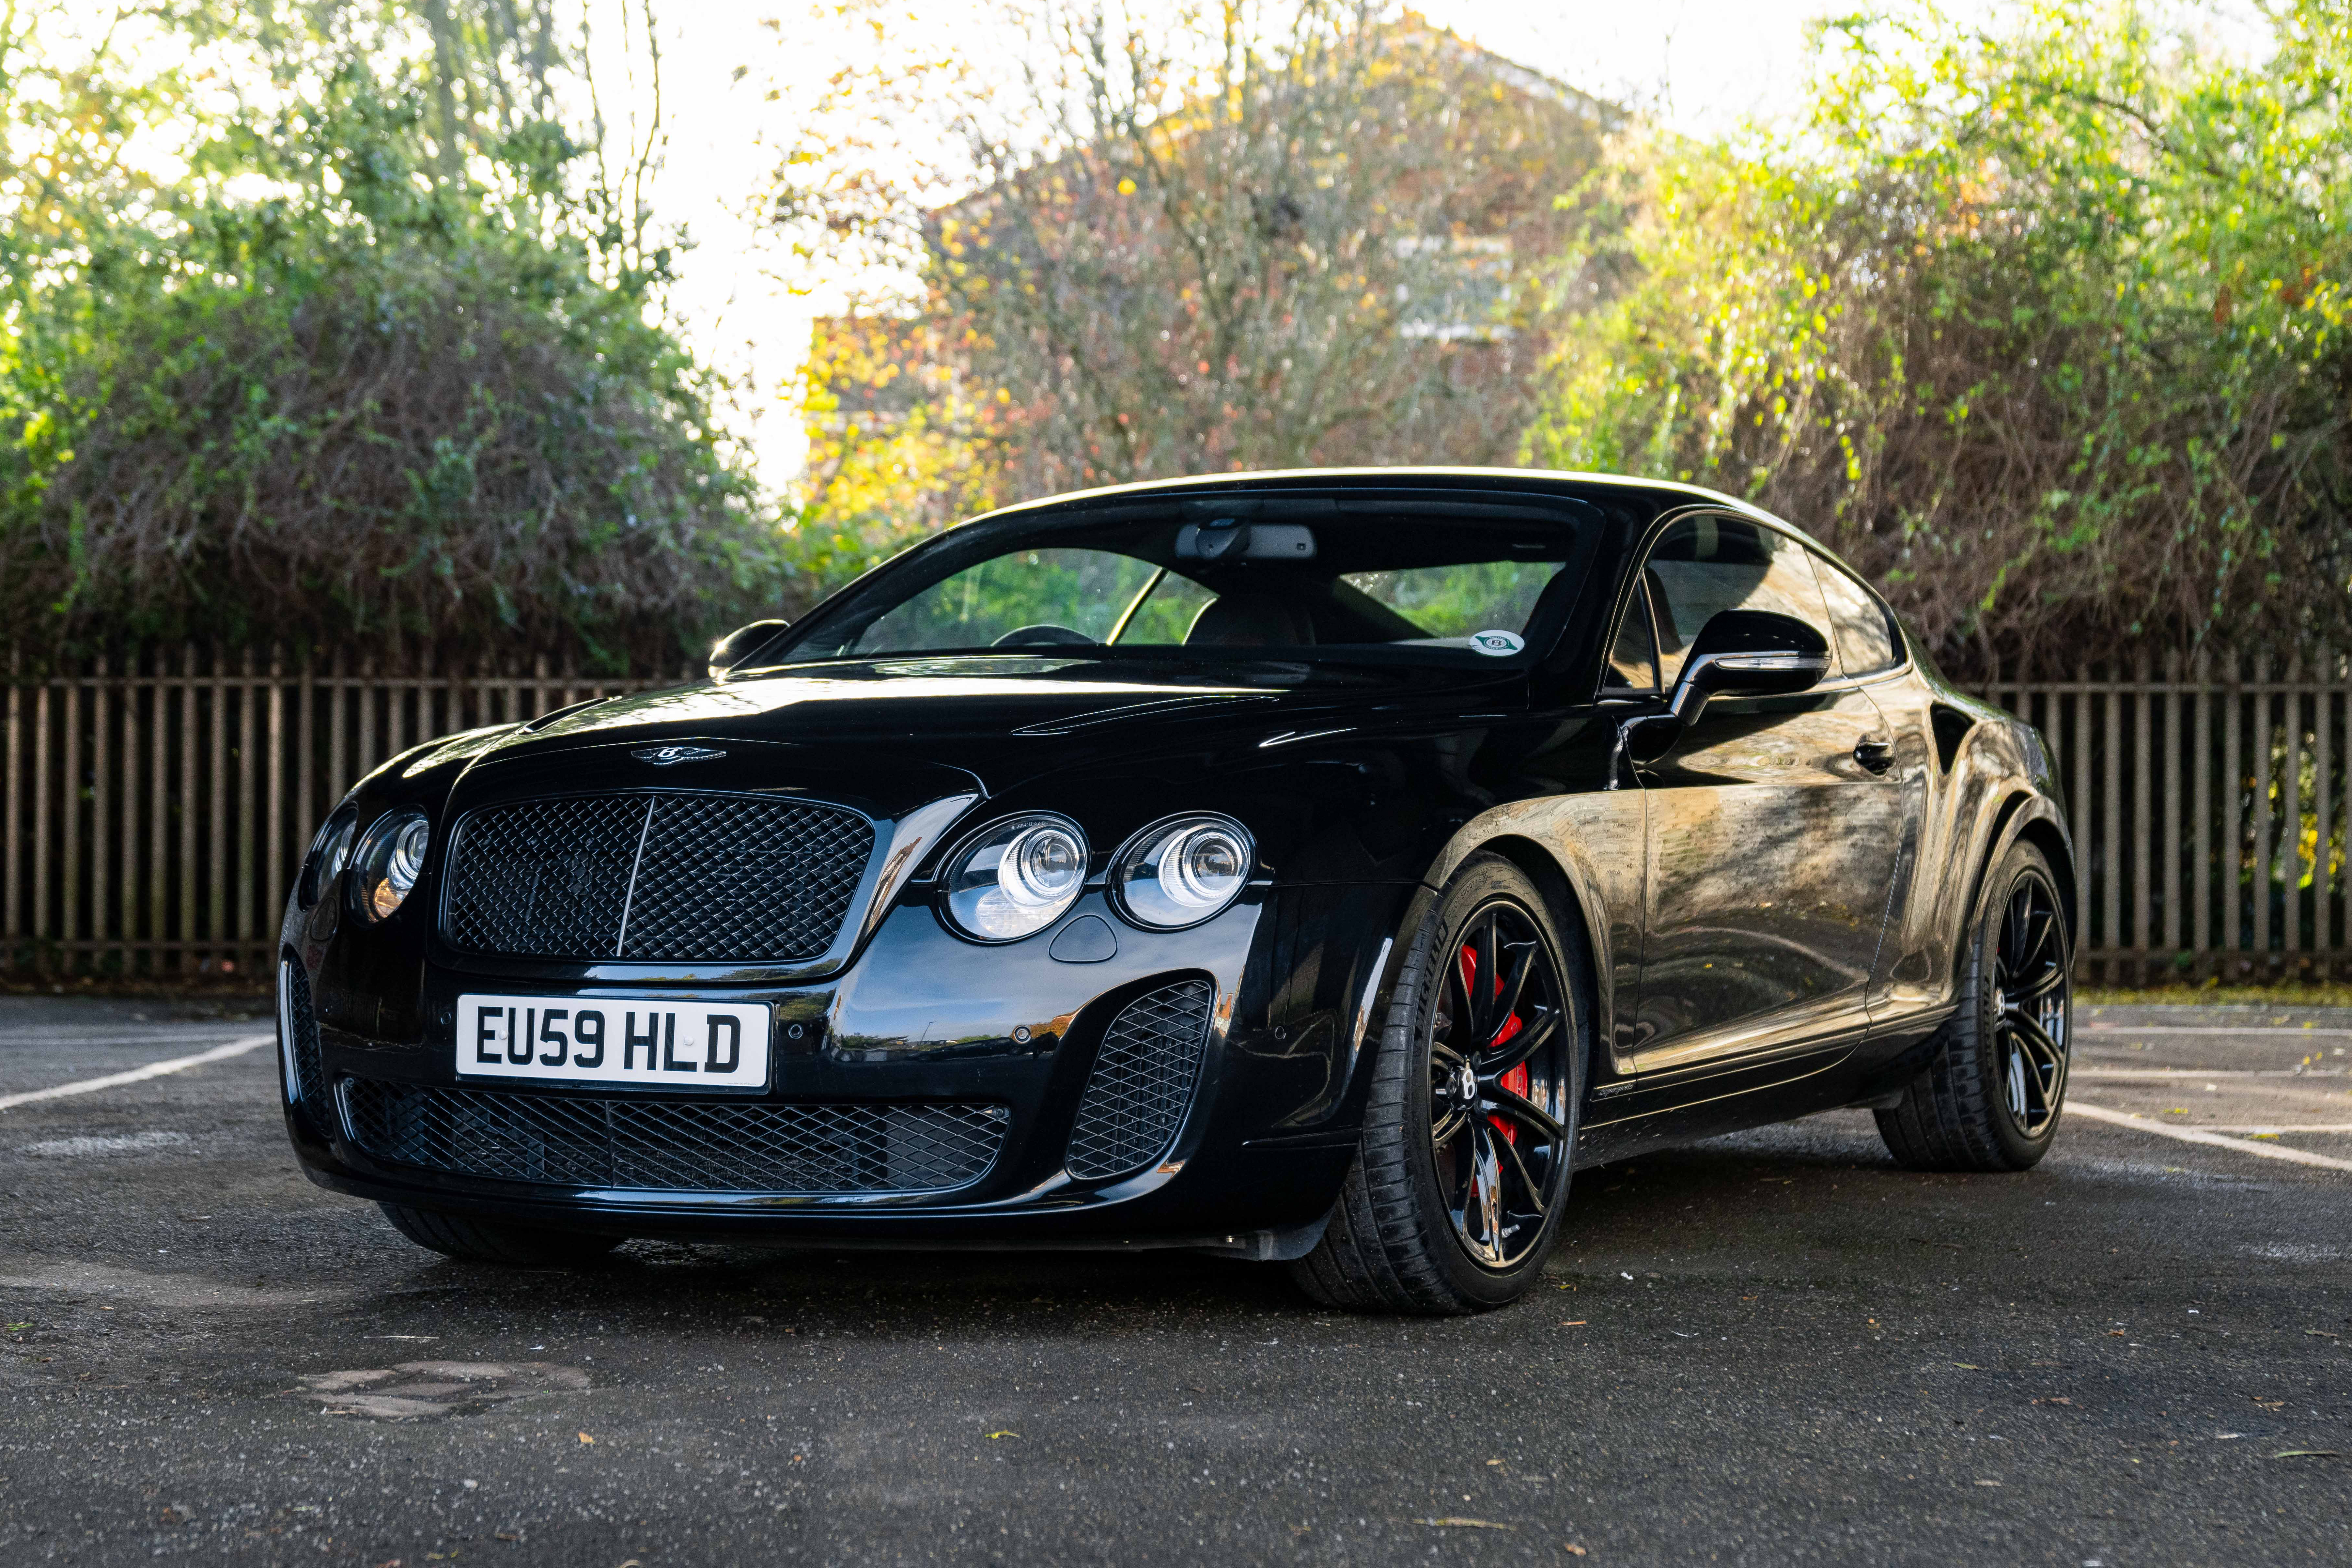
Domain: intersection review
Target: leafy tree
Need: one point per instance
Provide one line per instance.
(2045, 326)
(376, 353)
(1210, 237)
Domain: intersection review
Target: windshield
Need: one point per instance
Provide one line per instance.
(1444, 581)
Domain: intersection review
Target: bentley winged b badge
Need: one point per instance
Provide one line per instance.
(666, 756)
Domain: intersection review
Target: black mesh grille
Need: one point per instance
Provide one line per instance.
(675, 876)
(301, 1026)
(672, 1146)
(1142, 1083)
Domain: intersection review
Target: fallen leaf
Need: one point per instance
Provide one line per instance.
(2305, 1454)
(506, 1535)
(1988, 1483)
(586, 1438)
(1574, 1323)
(2118, 1334)
(2316, 1334)
(993, 1436)
(1571, 1548)
(1451, 1522)
(1967, 1366)
(2056, 1401)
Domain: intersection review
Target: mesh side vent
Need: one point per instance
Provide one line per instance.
(301, 1026)
(1142, 1083)
(673, 1146)
(670, 877)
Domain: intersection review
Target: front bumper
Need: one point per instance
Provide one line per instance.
(921, 1019)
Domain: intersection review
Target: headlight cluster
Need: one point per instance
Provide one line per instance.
(1019, 876)
(331, 851)
(390, 859)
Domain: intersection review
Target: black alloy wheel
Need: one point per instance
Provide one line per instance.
(2033, 994)
(1462, 1170)
(1994, 1089)
(1498, 1136)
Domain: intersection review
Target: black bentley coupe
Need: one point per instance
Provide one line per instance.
(1311, 866)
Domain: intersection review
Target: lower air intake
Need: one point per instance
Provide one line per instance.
(1142, 1080)
(812, 1150)
(298, 1025)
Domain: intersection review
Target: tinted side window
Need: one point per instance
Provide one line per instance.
(1704, 565)
(1633, 662)
(1865, 640)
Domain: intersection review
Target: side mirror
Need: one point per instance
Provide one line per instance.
(740, 644)
(1750, 653)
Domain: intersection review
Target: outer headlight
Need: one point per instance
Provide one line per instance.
(1016, 876)
(331, 851)
(389, 860)
(1180, 872)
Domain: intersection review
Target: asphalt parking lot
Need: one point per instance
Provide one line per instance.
(1773, 1348)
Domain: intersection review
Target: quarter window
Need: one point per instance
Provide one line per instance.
(1633, 662)
(1866, 641)
(1704, 565)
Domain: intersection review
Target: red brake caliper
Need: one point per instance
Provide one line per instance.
(1516, 1080)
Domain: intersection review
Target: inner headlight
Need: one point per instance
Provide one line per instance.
(389, 860)
(1016, 876)
(331, 851)
(1180, 873)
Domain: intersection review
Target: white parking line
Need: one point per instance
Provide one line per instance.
(2212, 1140)
(2203, 1029)
(137, 1075)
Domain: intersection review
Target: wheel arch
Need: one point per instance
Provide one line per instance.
(2033, 818)
(1569, 898)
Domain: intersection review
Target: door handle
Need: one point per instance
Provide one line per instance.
(1874, 754)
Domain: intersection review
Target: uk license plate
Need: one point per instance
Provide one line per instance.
(657, 1043)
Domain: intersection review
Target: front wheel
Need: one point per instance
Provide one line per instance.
(1453, 1200)
(1990, 1096)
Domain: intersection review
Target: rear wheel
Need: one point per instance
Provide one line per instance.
(1991, 1097)
(1454, 1198)
(486, 1241)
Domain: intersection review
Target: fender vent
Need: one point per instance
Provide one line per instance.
(1141, 1083)
(1951, 726)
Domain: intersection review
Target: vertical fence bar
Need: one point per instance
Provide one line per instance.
(2078, 732)
(2203, 831)
(306, 773)
(101, 866)
(188, 818)
(127, 860)
(247, 817)
(2291, 816)
(217, 815)
(273, 887)
(2143, 823)
(70, 797)
(340, 777)
(42, 825)
(2262, 814)
(11, 839)
(2323, 859)
(2111, 837)
(159, 890)
(2174, 817)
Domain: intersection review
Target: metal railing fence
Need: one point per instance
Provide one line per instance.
(152, 812)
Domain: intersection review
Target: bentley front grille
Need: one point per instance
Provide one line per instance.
(1142, 1083)
(681, 877)
(659, 1146)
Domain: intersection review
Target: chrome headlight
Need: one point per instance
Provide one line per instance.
(1179, 873)
(389, 860)
(1016, 876)
(331, 851)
